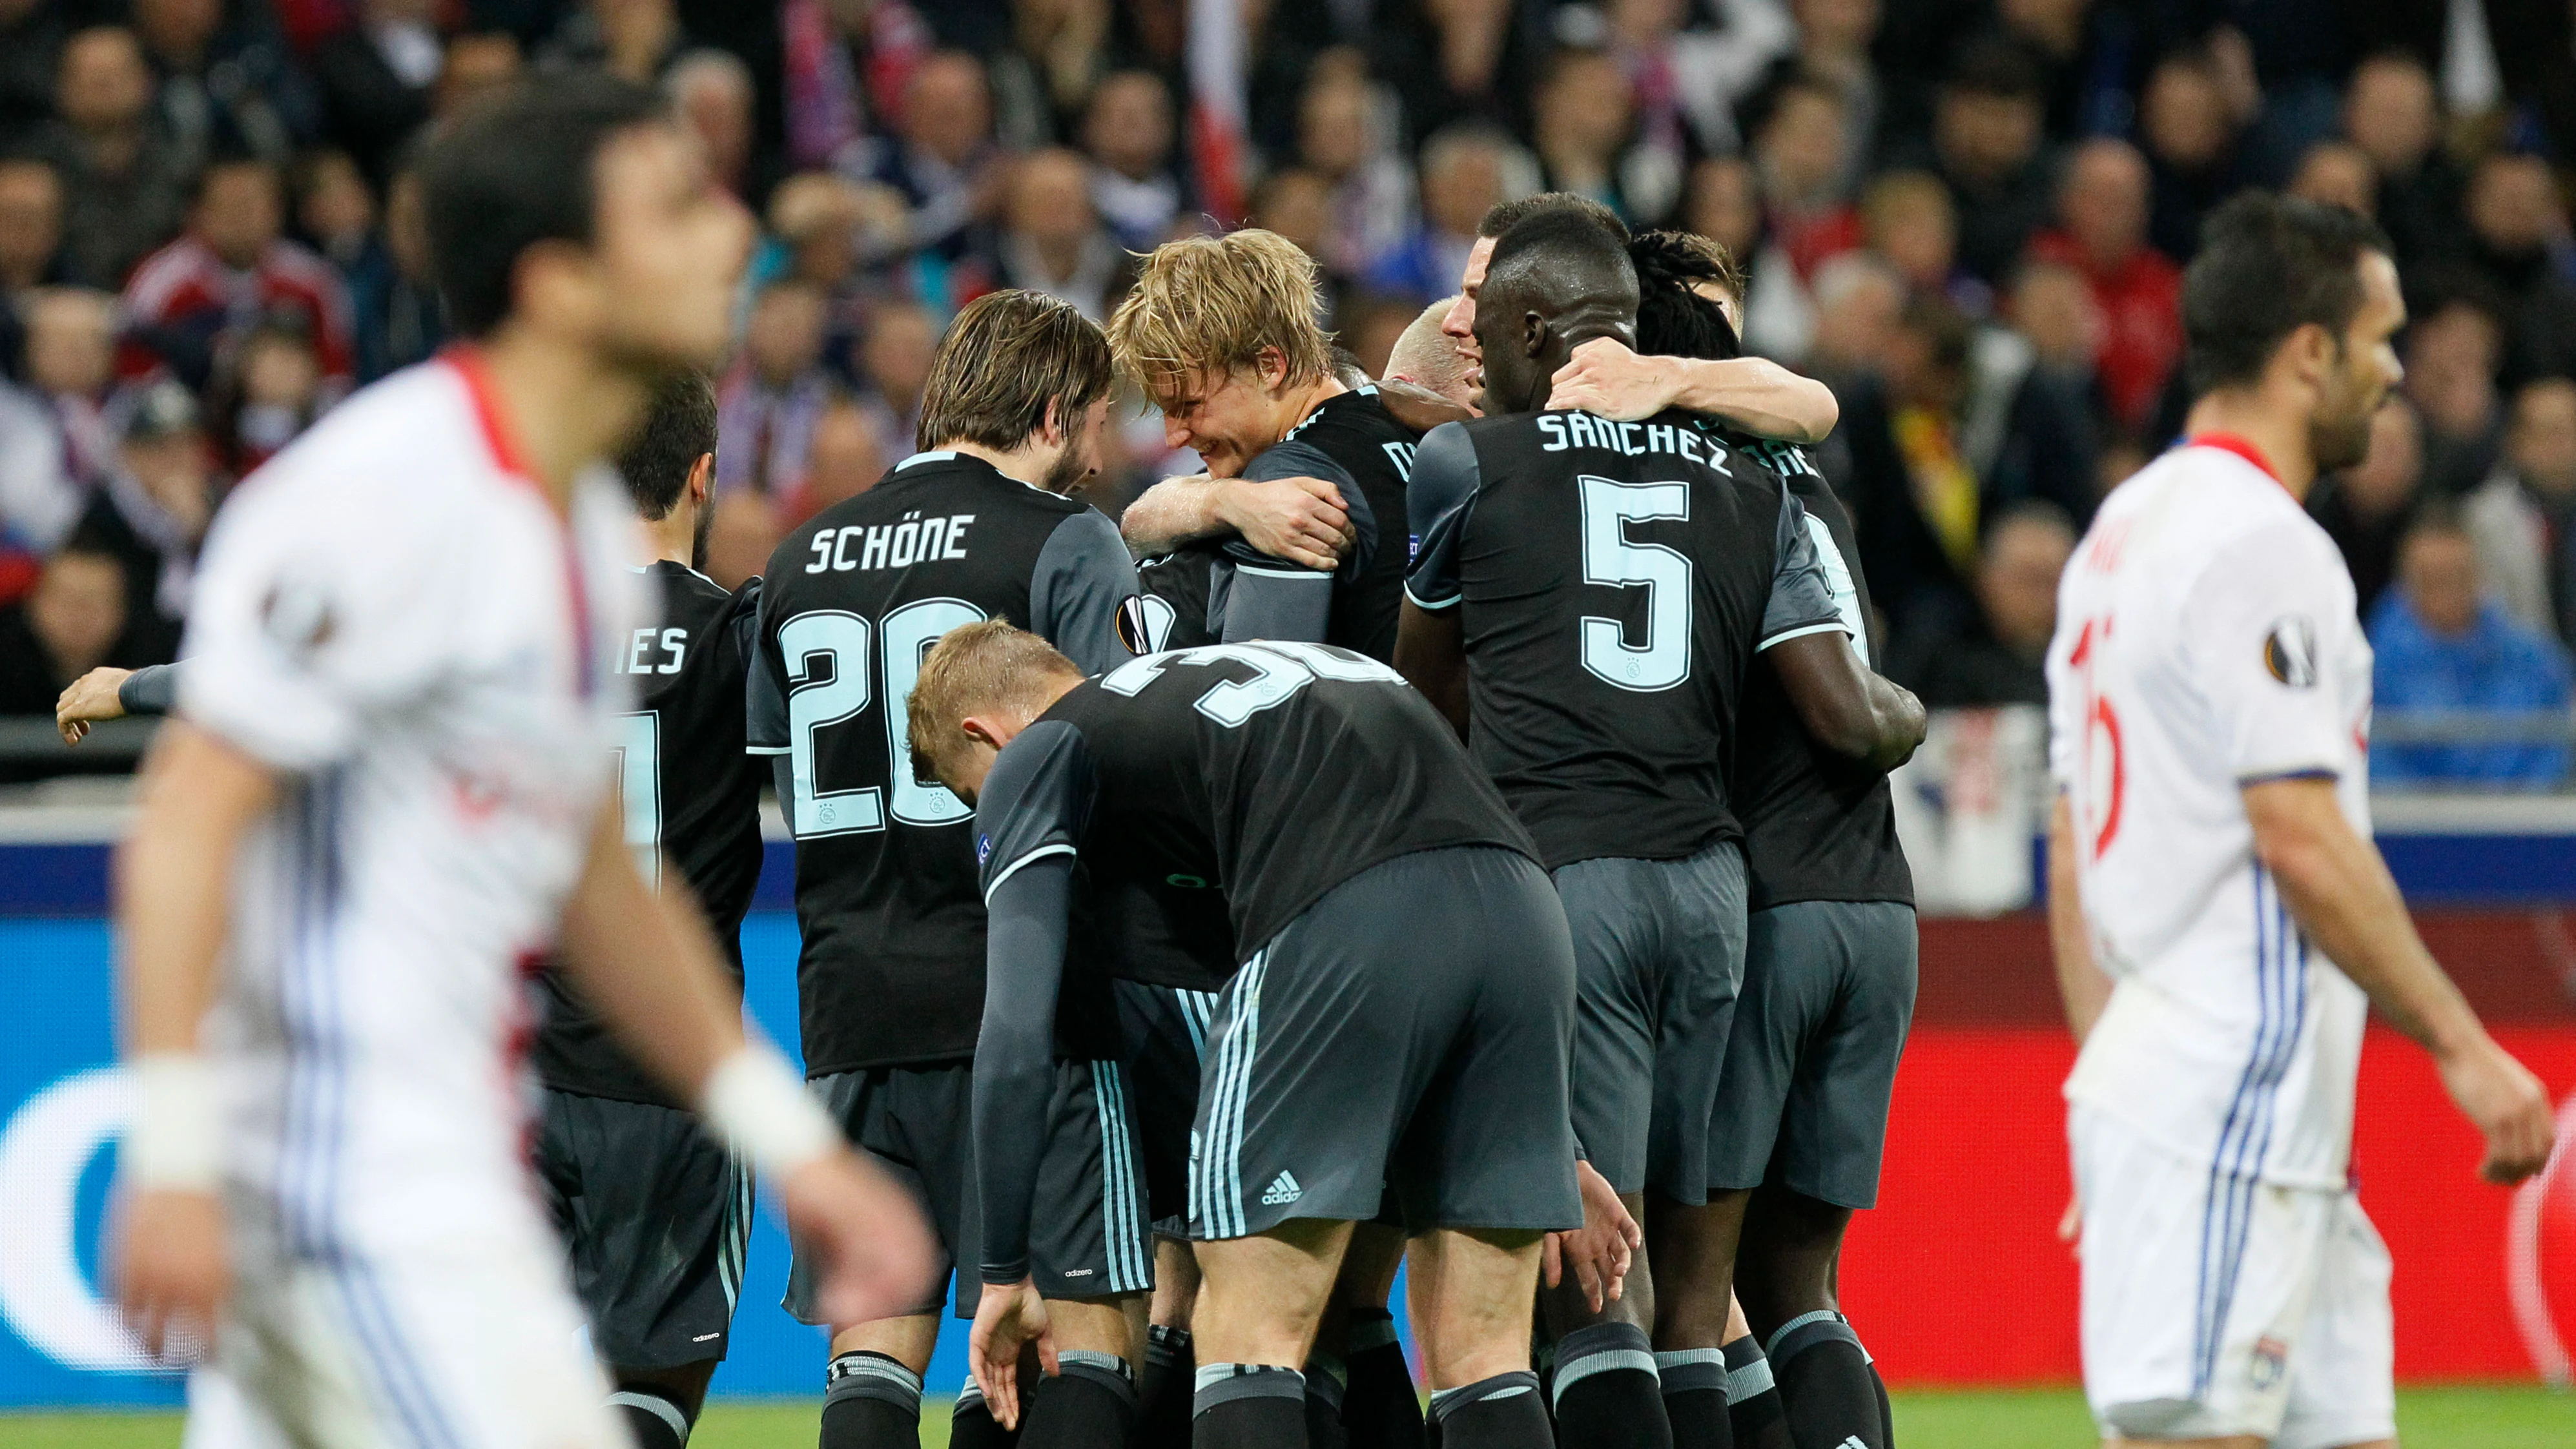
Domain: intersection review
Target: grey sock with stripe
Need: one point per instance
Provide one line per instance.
(1826, 1388)
(1090, 1403)
(1248, 1406)
(870, 1401)
(1752, 1399)
(1694, 1393)
(652, 1418)
(1605, 1391)
(1505, 1411)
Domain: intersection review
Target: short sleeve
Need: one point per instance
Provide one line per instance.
(1083, 582)
(313, 619)
(1437, 501)
(1034, 803)
(764, 685)
(1802, 597)
(2259, 623)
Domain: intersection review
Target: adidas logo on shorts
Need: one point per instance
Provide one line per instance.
(1282, 1191)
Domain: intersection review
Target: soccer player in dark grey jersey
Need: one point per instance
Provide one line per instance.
(976, 526)
(1592, 595)
(1394, 1020)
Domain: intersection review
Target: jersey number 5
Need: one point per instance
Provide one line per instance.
(1662, 659)
(828, 668)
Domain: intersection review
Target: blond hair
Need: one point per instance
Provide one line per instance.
(1215, 304)
(975, 668)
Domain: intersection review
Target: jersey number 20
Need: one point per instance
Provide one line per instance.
(817, 701)
(1663, 658)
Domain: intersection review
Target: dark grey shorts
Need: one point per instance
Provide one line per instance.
(1828, 996)
(1658, 960)
(655, 1216)
(1407, 1031)
(1166, 1030)
(1090, 1237)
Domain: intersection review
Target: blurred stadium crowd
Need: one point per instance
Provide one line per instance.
(1968, 216)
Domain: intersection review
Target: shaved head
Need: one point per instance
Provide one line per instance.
(1424, 356)
(1556, 280)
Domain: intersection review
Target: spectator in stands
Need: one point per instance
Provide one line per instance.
(1298, 204)
(1834, 39)
(2102, 207)
(1043, 77)
(67, 627)
(638, 40)
(2445, 648)
(40, 500)
(2190, 130)
(1343, 137)
(1988, 146)
(192, 300)
(1053, 242)
(2052, 307)
(1858, 300)
(398, 317)
(768, 403)
(1906, 217)
(32, 33)
(2453, 350)
(2085, 53)
(943, 164)
(1687, 84)
(378, 78)
(712, 91)
(153, 512)
(2337, 173)
(1370, 329)
(1457, 61)
(1128, 135)
(2391, 113)
(336, 213)
(31, 227)
(894, 365)
(270, 393)
(1584, 118)
(2524, 516)
(478, 63)
(1995, 653)
(2365, 507)
(223, 87)
(2520, 242)
(844, 457)
(71, 362)
(1800, 140)
(125, 184)
(1462, 178)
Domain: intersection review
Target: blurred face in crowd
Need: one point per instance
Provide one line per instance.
(714, 98)
(2104, 201)
(279, 370)
(31, 221)
(670, 247)
(2438, 569)
(78, 609)
(2541, 445)
(843, 457)
(2389, 112)
(1583, 110)
(71, 341)
(1909, 221)
(2383, 484)
(2017, 580)
(1050, 199)
(406, 228)
(2185, 115)
(1855, 318)
(2366, 370)
(1332, 125)
(1129, 129)
(103, 84)
(2337, 173)
(1461, 187)
(1297, 204)
(1725, 204)
(172, 467)
(2450, 368)
(178, 31)
(1801, 148)
(476, 66)
(947, 111)
(1836, 26)
(2057, 25)
(785, 335)
(1984, 136)
(896, 357)
(1228, 417)
(238, 214)
(2513, 204)
(336, 206)
(2053, 306)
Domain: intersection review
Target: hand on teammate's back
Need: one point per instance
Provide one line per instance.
(866, 1237)
(1298, 519)
(1600, 1250)
(1606, 379)
(2508, 1104)
(1009, 1317)
(170, 1269)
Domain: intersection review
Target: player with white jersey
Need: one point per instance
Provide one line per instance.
(2222, 922)
(387, 793)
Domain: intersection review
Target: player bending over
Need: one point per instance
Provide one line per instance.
(1589, 604)
(890, 982)
(1395, 1023)
(387, 793)
(2223, 924)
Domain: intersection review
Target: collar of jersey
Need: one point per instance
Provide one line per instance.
(2240, 446)
(950, 455)
(935, 455)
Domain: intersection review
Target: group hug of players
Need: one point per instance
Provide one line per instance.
(1516, 894)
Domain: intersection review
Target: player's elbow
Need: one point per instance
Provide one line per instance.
(1816, 412)
(2299, 829)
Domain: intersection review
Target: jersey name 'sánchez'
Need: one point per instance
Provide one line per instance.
(1616, 581)
(690, 797)
(891, 969)
(2206, 640)
(1269, 771)
(1817, 827)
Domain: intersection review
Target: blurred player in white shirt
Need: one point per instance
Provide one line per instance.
(387, 793)
(2222, 921)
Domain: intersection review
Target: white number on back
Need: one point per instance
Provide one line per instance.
(1609, 557)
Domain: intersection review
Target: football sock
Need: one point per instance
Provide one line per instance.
(1753, 1400)
(1379, 1406)
(1502, 1412)
(1886, 1410)
(1694, 1389)
(870, 1402)
(1248, 1406)
(1089, 1403)
(1606, 1393)
(1163, 1391)
(973, 1426)
(654, 1421)
(1825, 1384)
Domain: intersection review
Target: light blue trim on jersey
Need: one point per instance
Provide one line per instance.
(1785, 635)
(935, 455)
(1217, 1168)
(1053, 847)
(1122, 1218)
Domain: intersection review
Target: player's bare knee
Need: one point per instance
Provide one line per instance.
(909, 1341)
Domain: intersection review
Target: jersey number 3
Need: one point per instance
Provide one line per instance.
(828, 667)
(1662, 659)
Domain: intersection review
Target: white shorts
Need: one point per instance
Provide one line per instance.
(2216, 1306)
(472, 1348)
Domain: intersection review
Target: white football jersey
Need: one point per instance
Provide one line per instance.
(2206, 640)
(392, 615)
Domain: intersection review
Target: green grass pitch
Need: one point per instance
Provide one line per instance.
(2469, 1417)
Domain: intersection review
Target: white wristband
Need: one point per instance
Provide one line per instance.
(764, 1113)
(175, 1140)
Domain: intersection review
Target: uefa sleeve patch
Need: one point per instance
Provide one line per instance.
(2290, 651)
(1144, 623)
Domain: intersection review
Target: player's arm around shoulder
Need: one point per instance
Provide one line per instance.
(1306, 520)
(1752, 393)
(1430, 637)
